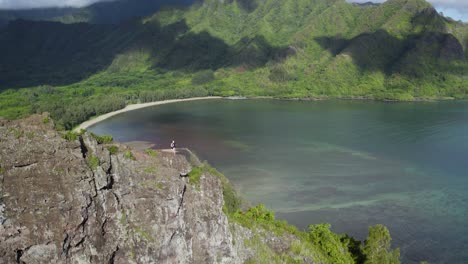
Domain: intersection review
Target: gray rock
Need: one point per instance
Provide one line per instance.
(59, 210)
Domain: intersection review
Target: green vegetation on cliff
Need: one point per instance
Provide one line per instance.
(400, 50)
(318, 244)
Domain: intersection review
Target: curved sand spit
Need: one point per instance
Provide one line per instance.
(131, 107)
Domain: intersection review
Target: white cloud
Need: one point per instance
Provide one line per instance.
(456, 9)
(457, 12)
(22, 4)
(450, 3)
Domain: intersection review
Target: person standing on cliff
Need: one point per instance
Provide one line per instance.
(173, 146)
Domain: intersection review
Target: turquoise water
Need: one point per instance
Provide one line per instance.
(349, 163)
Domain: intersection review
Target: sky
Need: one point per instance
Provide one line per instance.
(456, 9)
(25, 4)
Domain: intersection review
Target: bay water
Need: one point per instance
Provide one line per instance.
(349, 163)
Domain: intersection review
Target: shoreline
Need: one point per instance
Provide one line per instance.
(98, 119)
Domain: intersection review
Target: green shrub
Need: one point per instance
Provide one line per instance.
(30, 135)
(93, 162)
(329, 243)
(129, 155)
(160, 185)
(255, 215)
(203, 77)
(113, 149)
(260, 213)
(354, 248)
(377, 247)
(45, 120)
(232, 202)
(104, 139)
(279, 74)
(195, 175)
(70, 136)
(151, 152)
(150, 170)
(18, 133)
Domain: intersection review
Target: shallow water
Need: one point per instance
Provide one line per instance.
(352, 164)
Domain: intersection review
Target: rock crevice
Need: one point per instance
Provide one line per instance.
(63, 210)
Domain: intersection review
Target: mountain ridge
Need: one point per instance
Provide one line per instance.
(109, 12)
(399, 50)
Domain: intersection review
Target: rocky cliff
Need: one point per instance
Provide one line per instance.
(77, 201)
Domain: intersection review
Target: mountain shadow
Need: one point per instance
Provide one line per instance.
(35, 14)
(36, 53)
(108, 12)
(39, 53)
(248, 5)
(380, 51)
(174, 48)
(115, 12)
(466, 49)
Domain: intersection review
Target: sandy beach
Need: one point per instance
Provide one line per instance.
(87, 124)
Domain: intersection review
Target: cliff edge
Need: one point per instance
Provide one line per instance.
(78, 201)
(81, 198)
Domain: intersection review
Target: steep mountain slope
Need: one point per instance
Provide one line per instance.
(111, 12)
(45, 51)
(399, 50)
(340, 47)
(33, 14)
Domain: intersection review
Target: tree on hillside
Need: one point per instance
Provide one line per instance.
(330, 243)
(203, 77)
(377, 247)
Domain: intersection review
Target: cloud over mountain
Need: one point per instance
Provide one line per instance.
(456, 9)
(450, 3)
(25, 4)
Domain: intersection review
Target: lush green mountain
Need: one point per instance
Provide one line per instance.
(402, 49)
(112, 12)
(33, 14)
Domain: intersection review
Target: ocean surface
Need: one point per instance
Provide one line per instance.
(349, 163)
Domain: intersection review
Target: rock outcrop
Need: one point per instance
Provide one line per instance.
(73, 202)
(76, 201)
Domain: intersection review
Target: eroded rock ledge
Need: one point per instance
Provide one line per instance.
(75, 202)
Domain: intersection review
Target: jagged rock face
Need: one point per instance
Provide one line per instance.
(57, 207)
